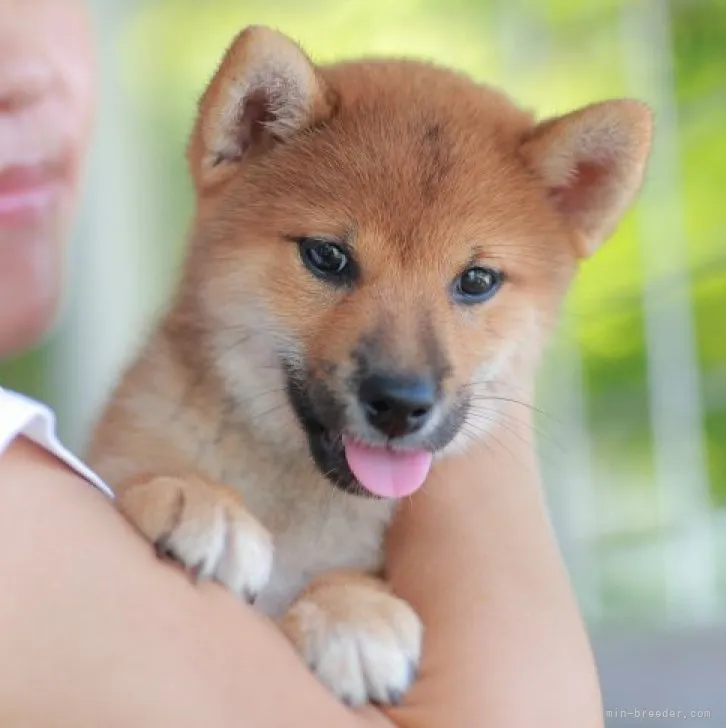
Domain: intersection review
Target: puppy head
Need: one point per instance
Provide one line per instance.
(380, 248)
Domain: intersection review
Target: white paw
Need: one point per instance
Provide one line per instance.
(365, 645)
(206, 529)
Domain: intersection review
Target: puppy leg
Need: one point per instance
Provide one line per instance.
(360, 640)
(202, 525)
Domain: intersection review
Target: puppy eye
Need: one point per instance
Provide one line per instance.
(477, 284)
(326, 260)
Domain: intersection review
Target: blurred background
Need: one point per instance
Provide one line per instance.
(633, 394)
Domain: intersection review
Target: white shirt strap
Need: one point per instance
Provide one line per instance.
(20, 415)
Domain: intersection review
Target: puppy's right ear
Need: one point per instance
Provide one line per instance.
(265, 90)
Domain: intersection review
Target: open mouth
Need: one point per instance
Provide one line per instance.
(386, 472)
(365, 469)
(354, 465)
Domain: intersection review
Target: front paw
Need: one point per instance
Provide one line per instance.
(359, 639)
(203, 526)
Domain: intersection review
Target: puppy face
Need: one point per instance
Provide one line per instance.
(391, 241)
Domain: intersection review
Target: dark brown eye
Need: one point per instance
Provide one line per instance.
(327, 260)
(477, 284)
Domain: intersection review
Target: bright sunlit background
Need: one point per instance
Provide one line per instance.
(633, 396)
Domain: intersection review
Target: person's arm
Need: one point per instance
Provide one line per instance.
(108, 635)
(97, 632)
(474, 554)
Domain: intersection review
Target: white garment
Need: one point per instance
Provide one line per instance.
(20, 415)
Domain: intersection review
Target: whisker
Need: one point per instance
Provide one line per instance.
(489, 437)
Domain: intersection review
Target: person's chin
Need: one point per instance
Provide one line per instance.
(24, 325)
(30, 273)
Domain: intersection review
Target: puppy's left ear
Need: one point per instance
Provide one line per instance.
(591, 162)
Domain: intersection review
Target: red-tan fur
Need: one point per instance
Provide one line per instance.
(427, 171)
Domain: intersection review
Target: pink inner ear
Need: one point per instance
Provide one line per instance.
(582, 186)
(251, 125)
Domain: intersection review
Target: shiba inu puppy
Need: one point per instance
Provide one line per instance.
(377, 249)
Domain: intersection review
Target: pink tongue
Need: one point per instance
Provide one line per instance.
(388, 473)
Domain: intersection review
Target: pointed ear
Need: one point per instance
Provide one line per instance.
(265, 90)
(592, 162)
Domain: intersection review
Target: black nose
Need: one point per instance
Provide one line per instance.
(397, 406)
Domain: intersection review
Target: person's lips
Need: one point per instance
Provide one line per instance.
(26, 192)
